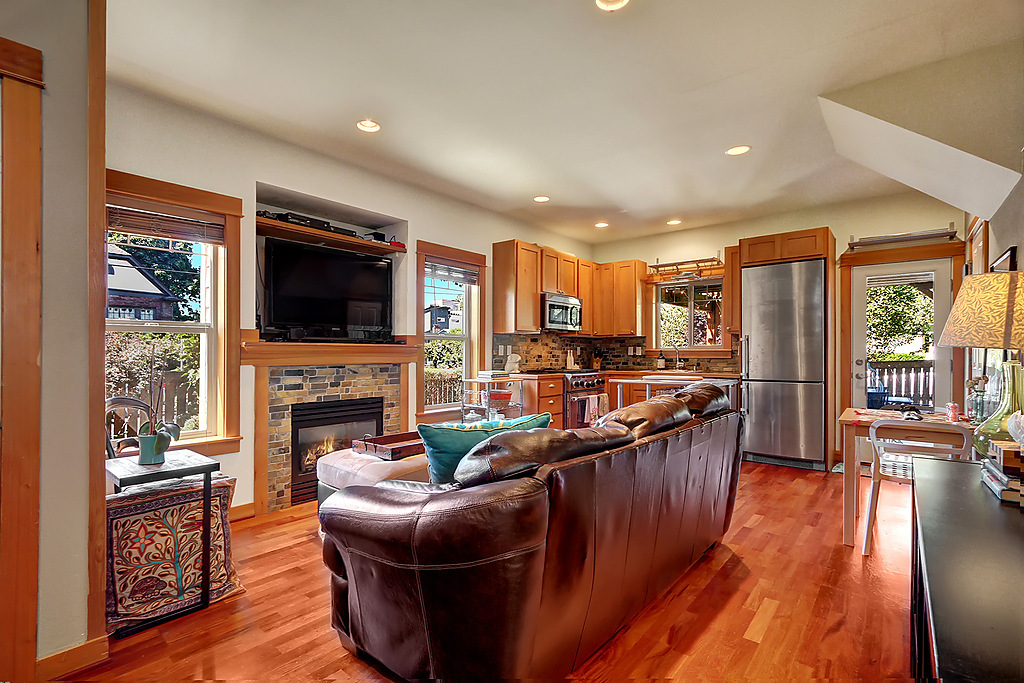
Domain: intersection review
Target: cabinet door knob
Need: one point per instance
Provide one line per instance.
(552, 401)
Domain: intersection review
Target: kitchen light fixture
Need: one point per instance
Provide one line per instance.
(737, 150)
(541, 198)
(611, 5)
(674, 221)
(602, 224)
(368, 126)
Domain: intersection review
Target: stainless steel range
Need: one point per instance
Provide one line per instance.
(585, 398)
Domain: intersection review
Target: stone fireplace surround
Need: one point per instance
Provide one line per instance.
(300, 384)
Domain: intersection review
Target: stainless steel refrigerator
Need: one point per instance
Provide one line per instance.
(782, 357)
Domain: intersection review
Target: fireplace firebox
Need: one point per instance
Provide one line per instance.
(321, 427)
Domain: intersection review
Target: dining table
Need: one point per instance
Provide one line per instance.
(856, 422)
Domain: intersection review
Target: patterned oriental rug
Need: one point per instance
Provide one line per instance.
(155, 548)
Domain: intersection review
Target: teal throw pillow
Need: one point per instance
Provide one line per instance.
(446, 444)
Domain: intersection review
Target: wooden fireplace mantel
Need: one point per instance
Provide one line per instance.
(275, 354)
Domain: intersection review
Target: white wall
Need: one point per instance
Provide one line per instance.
(152, 137)
(905, 212)
(60, 30)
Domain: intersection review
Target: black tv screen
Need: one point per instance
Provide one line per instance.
(338, 294)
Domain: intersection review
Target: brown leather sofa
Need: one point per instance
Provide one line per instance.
(548, 542)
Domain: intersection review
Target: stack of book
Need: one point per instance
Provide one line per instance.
(492, 374)
(999, 472)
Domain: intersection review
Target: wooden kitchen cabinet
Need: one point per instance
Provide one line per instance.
(604, 319)
(585, 274)
(785, 246)
(545, 394)
(517, 287)
(627, 308)
(558, 272)
(731, 283)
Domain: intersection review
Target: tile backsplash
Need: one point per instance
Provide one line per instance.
(548, 351)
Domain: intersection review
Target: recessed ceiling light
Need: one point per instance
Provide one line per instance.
(368, 126)
(601, 225)
(611, 5)
(737, 150)
(674, 221)
(541, 198)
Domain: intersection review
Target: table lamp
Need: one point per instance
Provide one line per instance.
(989, 313)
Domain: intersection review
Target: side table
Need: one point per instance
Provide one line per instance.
(177, 464)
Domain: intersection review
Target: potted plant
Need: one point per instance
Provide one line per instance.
(154, 440)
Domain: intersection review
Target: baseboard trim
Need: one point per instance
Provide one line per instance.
(244, 511)
(74, 658)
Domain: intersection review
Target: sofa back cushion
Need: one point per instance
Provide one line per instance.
(447, 443)
(519, 453)
(704, 399)
(653, 415)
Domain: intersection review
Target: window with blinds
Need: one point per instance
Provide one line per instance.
(448, 329)
(161, 336)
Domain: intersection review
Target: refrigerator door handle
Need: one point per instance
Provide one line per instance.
(744, 355)
(744, 399)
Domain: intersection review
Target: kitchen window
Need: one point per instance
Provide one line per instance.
(689, 315)
(449, 292)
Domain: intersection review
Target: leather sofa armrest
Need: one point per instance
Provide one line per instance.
(419, 524)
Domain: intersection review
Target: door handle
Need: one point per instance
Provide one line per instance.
(744, 399)
(859, 375)
(744, 355)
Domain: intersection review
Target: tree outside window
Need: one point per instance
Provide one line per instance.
(446, 340)
(689, 314)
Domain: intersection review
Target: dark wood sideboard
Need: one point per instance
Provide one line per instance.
(967, 574)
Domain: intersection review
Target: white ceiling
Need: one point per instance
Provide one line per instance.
(620, 117)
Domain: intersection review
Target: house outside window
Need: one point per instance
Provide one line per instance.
(689, 314)
(161, 335)
(447, 331)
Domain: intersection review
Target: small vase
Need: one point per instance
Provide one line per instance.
(147, 451)
(995, 427)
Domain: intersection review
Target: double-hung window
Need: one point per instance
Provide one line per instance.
(163, 266)
(689, 314)
(450, 296)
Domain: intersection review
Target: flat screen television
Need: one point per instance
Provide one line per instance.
(328, 293)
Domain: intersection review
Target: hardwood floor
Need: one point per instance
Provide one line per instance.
(780, 598)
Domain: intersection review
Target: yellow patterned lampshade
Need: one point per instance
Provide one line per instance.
(988, 312)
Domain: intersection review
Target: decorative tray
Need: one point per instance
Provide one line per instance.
(390, 446)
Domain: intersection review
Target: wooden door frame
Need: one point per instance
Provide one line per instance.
(21, 84)
(954, 250)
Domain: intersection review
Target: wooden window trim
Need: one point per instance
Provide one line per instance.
(478, 354)
(226, 424)
(21, 283)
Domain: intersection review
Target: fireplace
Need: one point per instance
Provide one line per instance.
(320, 427)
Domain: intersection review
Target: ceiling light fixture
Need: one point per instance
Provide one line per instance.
(541, 198)
(737, 150)
(674, 221)
(601, 225)
(368, 126)
(611, 5)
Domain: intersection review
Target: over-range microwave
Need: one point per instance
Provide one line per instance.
(561, 312)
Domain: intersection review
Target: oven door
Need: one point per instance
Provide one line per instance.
(584, 408)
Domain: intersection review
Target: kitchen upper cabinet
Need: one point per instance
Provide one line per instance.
(586, 272)
(517, 287)
(558, 272)
(785, 246)
(568, 278)
(731, 307)
(604, 318)
(627, 284)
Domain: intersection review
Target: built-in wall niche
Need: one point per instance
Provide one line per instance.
(364, 235)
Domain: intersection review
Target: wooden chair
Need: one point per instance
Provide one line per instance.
(123, 419)
(893, 448)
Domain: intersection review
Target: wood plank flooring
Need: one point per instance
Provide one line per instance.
(780, 598)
